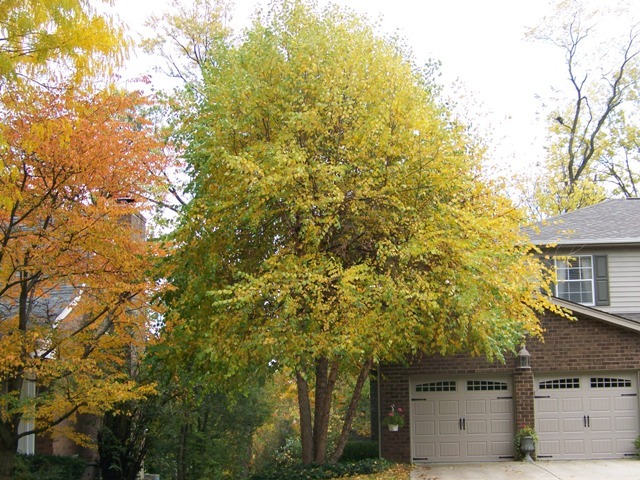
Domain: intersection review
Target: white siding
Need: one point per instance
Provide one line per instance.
(624, 281)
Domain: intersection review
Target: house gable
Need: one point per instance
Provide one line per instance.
(607, 237)
(590, 364)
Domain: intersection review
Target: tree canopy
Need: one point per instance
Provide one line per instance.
(73, 256)
(339, 217)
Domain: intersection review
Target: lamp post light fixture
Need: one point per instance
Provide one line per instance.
(523, 359)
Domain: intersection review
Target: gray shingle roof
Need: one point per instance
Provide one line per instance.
(612, 222)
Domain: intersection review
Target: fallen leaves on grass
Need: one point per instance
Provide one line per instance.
(397, 472)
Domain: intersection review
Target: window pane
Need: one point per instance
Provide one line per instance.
(575, 279)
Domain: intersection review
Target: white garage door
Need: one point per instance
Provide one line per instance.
(591, 416)
(461, 420)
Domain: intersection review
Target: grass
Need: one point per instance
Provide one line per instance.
(397, 472)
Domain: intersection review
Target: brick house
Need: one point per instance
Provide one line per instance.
(580, 390)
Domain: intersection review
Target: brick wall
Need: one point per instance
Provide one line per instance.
(582, 345)
(523, 396)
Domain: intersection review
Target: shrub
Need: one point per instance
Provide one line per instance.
(356, 450)
(48, 467)
(637, 445)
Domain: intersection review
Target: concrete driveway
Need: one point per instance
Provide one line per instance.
(541, 470)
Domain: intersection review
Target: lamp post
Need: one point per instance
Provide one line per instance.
(523, 359)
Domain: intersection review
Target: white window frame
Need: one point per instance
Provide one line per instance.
(562, 263)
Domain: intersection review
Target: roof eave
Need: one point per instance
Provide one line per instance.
(597, 314)
(592, 243)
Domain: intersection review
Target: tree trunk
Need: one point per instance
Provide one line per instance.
(325, 383)
(306, 429)
(351, 410)
(182, 453)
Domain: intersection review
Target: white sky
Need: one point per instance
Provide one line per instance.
(482, 46)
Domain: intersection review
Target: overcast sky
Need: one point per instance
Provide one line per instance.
(482, 47)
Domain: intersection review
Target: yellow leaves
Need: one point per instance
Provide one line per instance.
(48, 37)
(339, 211)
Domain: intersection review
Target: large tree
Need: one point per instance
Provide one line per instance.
(339, 218)
(593, 128)
(73, 260)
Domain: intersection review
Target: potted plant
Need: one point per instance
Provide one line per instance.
(394, 419)
(525, 443)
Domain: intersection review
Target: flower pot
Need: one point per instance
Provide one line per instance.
(393, 428)
(527, 447)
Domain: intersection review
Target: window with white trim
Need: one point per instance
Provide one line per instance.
(574, 279)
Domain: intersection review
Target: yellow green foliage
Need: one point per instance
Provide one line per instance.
(339, 213)
(60, 36)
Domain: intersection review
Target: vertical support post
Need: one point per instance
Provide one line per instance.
(524, 398)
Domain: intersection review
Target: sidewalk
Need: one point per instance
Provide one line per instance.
(541, 470)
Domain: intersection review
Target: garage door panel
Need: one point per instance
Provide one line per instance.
(425, 428)
(448, 427)
(425, 450)
(574, 447)
(466, 421)
(477, 449)
(476, 407)
(549, 425)
(625, 444)
(424, 408)
(572, 425)
(625, 404)
(476, 427)
(504, 426)
(449, 449)
(501, 406)
(597, 415)
(602, 424)
(501, 449)
(572, 405)
(448, 407)
(549, 447)
(548, 405)
(600, 404)
(603, 446)
(626, 424)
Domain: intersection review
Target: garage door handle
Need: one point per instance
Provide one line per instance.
(459, 424)
(464, 423)
(584, 421)
(588, 421)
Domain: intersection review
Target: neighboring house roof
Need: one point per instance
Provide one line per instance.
(596, 314)
(612, 222)
(50, 307)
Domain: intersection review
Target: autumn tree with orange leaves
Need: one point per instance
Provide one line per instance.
(73, 261)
